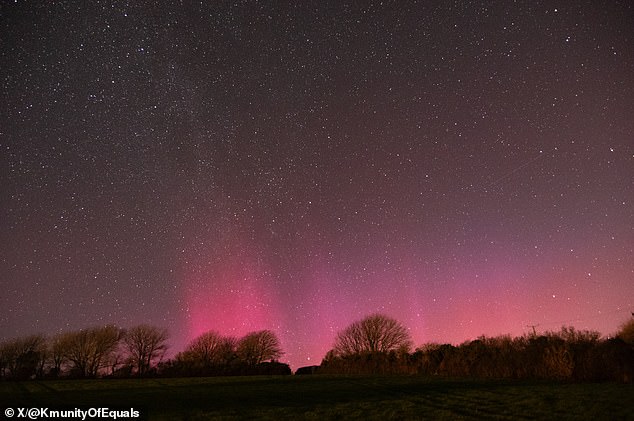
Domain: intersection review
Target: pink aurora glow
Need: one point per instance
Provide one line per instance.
(234, 295)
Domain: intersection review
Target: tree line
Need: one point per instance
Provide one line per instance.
(376, 344)
(380, 345)
(109, 351)
(212, 354)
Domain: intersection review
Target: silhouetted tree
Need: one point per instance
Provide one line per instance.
(56, 354)
(626, 333)
(375, 333)
(90, 349)
(144, 345)
(428, 357)
(257, 347)
(23, 357)
(210, 349)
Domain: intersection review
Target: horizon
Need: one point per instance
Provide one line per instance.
(244, 166)
(308, 360)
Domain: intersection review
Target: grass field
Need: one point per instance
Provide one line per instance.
(329, 397)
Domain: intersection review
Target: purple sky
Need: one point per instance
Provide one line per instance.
(465, 169)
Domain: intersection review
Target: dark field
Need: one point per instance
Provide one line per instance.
(329, 397)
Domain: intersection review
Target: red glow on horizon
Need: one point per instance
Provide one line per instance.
(230, 296)
(234, 296)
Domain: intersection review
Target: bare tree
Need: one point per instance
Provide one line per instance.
(145, 344)
(375, 333)
(257, 347)
(23, 357)
(56, 354)
(8, 354)
(210, 349)
(90, 349)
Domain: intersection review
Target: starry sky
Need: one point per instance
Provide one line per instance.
(464, 167)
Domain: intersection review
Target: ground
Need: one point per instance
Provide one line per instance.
(329, 397)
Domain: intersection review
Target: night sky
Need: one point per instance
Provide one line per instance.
(466, 168)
